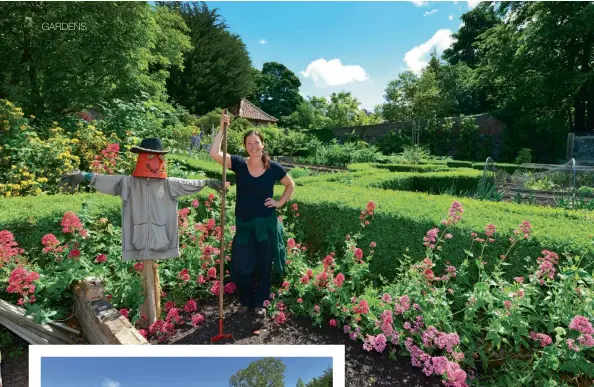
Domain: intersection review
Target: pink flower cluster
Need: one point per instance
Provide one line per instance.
(432, 337)
(71, 224)
(375, 342)
(402, 304)
(368, 212)
(524, 229)
(21, 282)
(430, 239)
(541, 337)
(438, 365)
(582, 325)
(8, 247)
(454, 214)
(546, 268)
(107, 161)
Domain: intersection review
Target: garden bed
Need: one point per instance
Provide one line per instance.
(362, 368)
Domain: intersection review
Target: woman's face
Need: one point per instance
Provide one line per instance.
(253, 145)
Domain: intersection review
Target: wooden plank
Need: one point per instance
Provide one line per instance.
(34, 330)
(65, 327)
(24, 334)
(18, 315)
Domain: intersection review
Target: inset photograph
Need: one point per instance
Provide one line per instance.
(185, 366)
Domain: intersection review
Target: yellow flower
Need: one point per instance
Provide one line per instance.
(75, 140)
(13, 167)
(42, 179)
(38, 191)
(7, 194)
(32, 116)
(23, 127)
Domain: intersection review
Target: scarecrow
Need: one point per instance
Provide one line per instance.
(149, 212)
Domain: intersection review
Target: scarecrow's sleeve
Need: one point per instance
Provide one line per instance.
(182, 187)
(111, 184)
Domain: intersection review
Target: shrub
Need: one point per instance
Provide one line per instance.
(393, 142)
(509, 168)
(524, 156)
(459, 164)
(335, 154)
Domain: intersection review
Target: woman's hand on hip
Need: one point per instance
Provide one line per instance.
(271, 203)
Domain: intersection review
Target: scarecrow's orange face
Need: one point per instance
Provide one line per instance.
(150, 165)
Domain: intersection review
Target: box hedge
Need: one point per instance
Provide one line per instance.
(211, 169)
(329, 211)
(29, 218)
(459, 164)
(457, 180)
(509, 168)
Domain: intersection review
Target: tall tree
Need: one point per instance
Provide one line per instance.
(108, 50)
(300, 383)
(476, 22)
(323, 381)
(277, 90)
(343, 110)
(266, 372)
(218, 69)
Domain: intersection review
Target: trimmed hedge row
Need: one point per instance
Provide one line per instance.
(211, 169)
(413, 168)
(459, 163)
(393, 167)
(29, 218)
(460, 181)
(329, 211)
(509, 168)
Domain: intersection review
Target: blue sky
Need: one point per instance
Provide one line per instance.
(351, 46)
(164, 371)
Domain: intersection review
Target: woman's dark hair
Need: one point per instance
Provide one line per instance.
(265, 156)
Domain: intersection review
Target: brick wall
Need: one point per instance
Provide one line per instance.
(488, 125)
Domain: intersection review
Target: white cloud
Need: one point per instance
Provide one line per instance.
(110, 383)
(472, 3)
(415, 58)
(420, 3)
(333, 73)
(263, 41)
(429, 13)
(461, 25)
(451, 17)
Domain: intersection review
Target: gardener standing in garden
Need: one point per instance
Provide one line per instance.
(258, 248)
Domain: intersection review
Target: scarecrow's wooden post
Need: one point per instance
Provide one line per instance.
(152, 292)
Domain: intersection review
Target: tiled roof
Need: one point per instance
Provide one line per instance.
(248, 110)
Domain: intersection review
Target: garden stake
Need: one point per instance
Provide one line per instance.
(222, 335)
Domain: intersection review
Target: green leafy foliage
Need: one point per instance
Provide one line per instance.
(266, 372)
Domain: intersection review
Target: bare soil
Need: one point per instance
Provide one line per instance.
(15, 361)
(363, 369)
